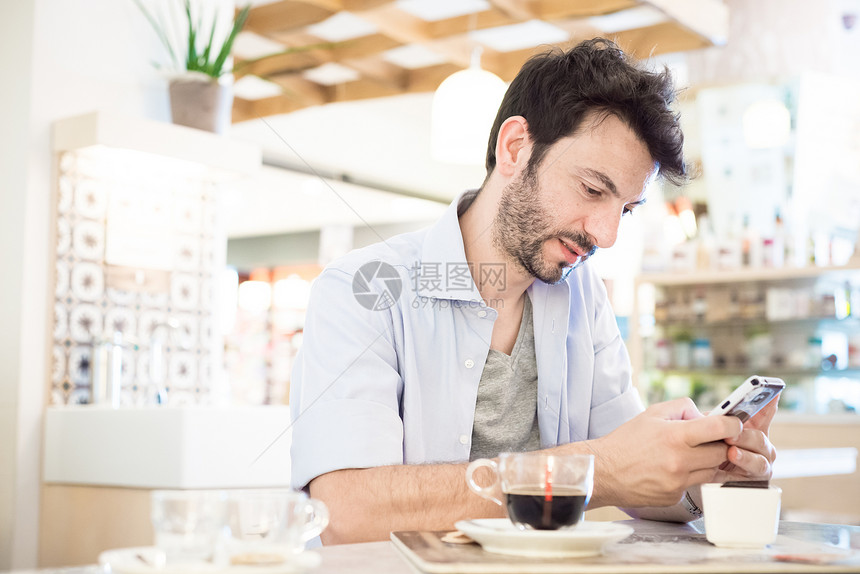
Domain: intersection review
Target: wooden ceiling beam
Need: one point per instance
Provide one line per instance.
(662, 38)
(457, 49)
(518, 10)
(300, 90)
(280, 63)
(506, 65)
(579, 29)
(428, 79)
(555, 9)
(363, 47)
(379, 70)
(252, 109)
(397, 24)
(410, 29)
(362, 5)
(286, 21)
(468, 23)
(362, 89)
(326, 51)
(289, 15)
(523, 10)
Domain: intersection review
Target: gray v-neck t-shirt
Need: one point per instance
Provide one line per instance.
(506, 409)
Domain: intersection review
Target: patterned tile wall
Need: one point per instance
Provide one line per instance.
(167, 327)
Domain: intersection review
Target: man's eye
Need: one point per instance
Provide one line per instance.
(592, 192)
(627, 210)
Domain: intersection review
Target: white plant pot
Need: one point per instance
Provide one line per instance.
(201, 103)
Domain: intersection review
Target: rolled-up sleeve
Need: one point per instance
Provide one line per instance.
(345, 386)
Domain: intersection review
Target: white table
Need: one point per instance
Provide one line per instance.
(654, 547)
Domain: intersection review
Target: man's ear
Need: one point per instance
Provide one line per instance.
(513, 146)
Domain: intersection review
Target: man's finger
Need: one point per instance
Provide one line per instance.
(764, 417)
(708, 456)
(754, 441)
(752, 464)
(676, 410)
(710, 429)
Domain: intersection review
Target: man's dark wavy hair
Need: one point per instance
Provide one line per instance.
(557, 90)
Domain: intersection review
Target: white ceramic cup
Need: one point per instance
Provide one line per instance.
(267, 527)
(187, 524)
(738, 517)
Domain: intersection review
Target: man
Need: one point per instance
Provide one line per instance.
(488, 332)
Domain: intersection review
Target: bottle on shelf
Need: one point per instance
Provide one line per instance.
(729, 252)
(813, 352)
(682, 351)
(855, 301)
(854, 351)
(699, 305)
(842, 300)
(703, 356)
(663, 359)
(821, 243)
(751, 248)
(706, 244)
(775, 253)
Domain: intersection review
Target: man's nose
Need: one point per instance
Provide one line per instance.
(603, 227)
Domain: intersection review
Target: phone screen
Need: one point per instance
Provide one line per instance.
(749, 398)
(752, 403)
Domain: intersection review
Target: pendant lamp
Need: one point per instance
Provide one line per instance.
(464, 107)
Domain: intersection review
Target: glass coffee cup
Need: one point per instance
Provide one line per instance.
(187, 525)
(268, 527)
(539, 491)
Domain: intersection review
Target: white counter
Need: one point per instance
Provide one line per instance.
(164, 447)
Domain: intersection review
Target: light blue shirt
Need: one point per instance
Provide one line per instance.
(398, 384)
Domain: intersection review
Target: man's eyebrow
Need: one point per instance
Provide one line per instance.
(604, 179)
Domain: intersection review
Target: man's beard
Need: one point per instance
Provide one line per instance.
(522, 227)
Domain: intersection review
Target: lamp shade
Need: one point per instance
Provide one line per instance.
(464, 107)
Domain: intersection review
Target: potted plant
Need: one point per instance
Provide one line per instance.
(201, 94)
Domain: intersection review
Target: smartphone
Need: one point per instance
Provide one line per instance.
(749, 398)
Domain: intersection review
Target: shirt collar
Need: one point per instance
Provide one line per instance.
(443, 272)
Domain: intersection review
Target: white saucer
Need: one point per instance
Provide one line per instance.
(143, 560)
(501, 536)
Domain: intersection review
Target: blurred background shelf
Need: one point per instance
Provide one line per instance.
(782, 372)
(782, 322)
(747, 275)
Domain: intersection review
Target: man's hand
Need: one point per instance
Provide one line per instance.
(652, 459)
(751, 454)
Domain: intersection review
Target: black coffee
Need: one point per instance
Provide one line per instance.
(531, 506)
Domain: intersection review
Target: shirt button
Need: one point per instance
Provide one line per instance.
(464, 439)
(482, 313)
(469, 363)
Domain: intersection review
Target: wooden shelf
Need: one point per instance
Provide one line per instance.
(759, 275)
